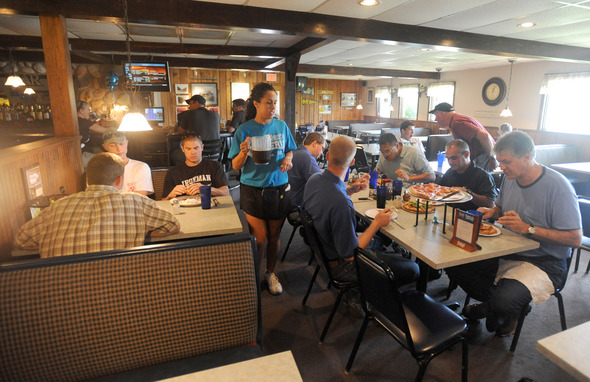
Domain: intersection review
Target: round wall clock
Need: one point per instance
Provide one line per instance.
(493, 91)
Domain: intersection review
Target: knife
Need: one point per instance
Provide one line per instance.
(447, 196)
(396, 222)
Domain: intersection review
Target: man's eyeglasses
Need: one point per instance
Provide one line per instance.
(386, 152)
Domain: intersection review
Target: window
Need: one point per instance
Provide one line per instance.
(408, 101)
(439, 92)
(564, 103)
(383, 97)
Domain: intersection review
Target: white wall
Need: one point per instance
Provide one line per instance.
(525, 100)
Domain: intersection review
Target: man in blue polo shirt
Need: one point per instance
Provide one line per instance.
(305, 165)
(326, 199)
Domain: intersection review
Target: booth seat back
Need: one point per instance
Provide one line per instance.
(332, 124)
(356, 128)
(418, 131)
(79, 317)
(557, 153)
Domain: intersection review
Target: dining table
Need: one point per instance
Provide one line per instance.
(582, 168)
(426, 239)
(221, 219)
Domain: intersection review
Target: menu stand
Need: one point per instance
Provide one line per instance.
(466, 231)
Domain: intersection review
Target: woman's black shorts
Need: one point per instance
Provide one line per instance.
(270, 203)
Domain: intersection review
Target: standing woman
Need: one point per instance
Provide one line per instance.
(264, 189)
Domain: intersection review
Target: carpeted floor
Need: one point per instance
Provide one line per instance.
(288, 325)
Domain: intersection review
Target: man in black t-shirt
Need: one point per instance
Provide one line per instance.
(186, 178)
(200, 121)
(239, 115)
(464, 173)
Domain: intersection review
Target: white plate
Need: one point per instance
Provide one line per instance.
(188, 202)
(374, 211)
(497, 233)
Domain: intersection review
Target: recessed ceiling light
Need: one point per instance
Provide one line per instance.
(369, 3)
(527, 25)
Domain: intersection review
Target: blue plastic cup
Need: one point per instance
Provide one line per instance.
(373, 181)
(347, 173)
(397, 187)
(381, 196)
(205, 197)
(441, 158)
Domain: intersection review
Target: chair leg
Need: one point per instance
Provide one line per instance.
(578, 260)
(332, 313)
(561, 310)
(315, 275)
(452, 286)
(423, 365)
(357, 343)
(588, 267)
(288, 244)
(523, 313)
(310, 259)
(465, 359)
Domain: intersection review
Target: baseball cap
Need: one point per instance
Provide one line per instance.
(113, 135)
(443, 106)
(198, 98)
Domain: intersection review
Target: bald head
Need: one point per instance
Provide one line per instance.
(341, 152)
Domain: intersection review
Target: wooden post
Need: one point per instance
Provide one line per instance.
(291, 64)
(59, 75)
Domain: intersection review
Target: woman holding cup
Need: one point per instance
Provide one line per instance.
(262, 148)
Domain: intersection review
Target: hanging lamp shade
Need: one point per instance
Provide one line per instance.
(134, 122)
(29, 91)
(506, 112)
(14, 81)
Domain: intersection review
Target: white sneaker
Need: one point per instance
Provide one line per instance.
(274, 286)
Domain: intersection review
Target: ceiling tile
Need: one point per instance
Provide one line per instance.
(421, 11)
(25, 25)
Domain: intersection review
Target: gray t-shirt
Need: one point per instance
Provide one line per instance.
(550, 202)
(410, 160)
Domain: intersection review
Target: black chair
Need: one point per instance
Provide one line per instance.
(295, 221)
(423, 326)
(361, 164)
(527, 308)
(585, 211)
(213, 149)
(322, 261)
(435, 144)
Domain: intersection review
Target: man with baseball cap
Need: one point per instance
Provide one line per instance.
(200, 121)
(471, 131)
(137, 177)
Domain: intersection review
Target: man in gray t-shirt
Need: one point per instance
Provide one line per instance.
(403, 162)
(534, 201)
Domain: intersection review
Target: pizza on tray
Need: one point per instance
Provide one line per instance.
(411, 207)
(431, 191)
(487, 229)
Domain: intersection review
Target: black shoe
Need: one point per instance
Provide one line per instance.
(475, 311)
(509, 326)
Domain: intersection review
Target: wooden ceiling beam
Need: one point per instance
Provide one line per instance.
(236, 17)
(356, 71)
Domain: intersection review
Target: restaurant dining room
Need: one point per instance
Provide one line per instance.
(208, 269)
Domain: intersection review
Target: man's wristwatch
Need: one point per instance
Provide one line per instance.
(531, 231)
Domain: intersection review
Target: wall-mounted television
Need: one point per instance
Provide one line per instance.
(149, 76)
(154, 115)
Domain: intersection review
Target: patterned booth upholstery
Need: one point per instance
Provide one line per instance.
(81, 317)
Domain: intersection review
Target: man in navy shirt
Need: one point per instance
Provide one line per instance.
(305, 165)
(326, 199)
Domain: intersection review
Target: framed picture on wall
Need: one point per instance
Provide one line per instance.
(347, 99)
(208, 90)
(181, 89)
(181, 99)
(180, 110)
(215, 109)
(32, 181)
(371, 95)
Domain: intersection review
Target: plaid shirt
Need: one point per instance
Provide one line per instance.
(99, 219)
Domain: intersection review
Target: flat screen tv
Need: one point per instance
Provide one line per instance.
(149, 76)
(154, 114)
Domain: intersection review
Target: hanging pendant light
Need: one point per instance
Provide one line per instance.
(359, 105)
(506, 112)
(29, 91)
(15, 81)
(134, 120)
(391, 95)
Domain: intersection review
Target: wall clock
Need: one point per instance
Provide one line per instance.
(493, 91)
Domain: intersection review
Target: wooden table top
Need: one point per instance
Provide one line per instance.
(197, 222)
(569, 350)
(275, 367)
(431, 245)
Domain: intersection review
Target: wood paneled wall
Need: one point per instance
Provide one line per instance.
(61, 165)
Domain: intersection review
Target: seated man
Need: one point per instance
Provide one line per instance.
(407, 136)
(102, 218)
(186, 178)
(239, 115)
(403, 162)
(305, 165)
(326, 200)
(138, 176)
(465, 174)
(535, 201)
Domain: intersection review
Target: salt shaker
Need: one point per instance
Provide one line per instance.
(175, 206)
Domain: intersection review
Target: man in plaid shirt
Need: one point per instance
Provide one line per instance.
(101, 218)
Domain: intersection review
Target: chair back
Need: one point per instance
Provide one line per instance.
(435, 144)
(213, 149)
(379, 290)
(158, 177)
(585, 212)
(314, 241)
(360, 160)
